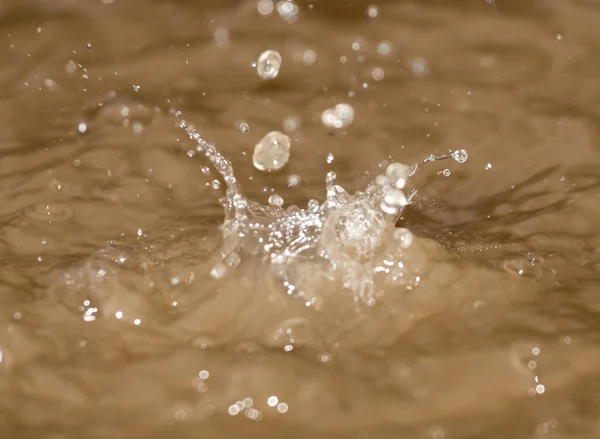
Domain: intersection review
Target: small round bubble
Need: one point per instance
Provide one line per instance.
(268, 64)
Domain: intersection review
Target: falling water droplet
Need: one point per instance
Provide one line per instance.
(460, 155)
(268, 64)
(276, 200)
(398, 173)
(272, 152)
(244, 128)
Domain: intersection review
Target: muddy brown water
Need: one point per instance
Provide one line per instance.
(500, 338)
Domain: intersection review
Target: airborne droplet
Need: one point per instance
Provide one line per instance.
(268, 64)
(272, 152)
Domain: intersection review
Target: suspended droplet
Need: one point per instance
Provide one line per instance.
(244, 128)
(398, 174)
(340, 116)
(268, 64)
(460, 155)
(272, 152)
(293, 180)
(276, 200)
(393, 201)
(404, 237)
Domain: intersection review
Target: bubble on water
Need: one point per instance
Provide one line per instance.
(276, 200)
(373, 11)
(460, 155)
(244, 128)
(268, 64)
(265, 7)
(287, 10)
(340, 116)
(404, 237)
(293, 180)
(272, 152)
(419, 66)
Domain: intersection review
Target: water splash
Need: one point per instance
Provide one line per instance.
(345, 237)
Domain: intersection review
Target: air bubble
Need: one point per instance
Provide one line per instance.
(272, 152)
(268, 64)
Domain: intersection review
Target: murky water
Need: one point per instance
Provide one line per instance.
(113, 320)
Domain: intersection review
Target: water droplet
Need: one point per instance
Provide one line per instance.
(290, 124)
(268, 64)
(287, 10)
(446, 172)
(82, 127)
(398, 174)
(373, 11)
(205, 170)
(215, 184)
(460, 155)
(384, 48)
(272, 152)
(293, 180)
(244, 128)
(265, 7)
(309, 57)
(272, 401)
(419, 66)
(330, 158)
(393, 201)
(276, 200)
(404, 237)
(218, 271)
(488, 166)
(340, 116)
(377, 74)
(282, 407)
